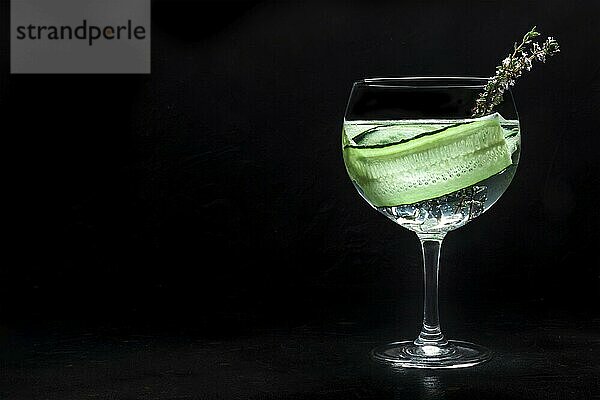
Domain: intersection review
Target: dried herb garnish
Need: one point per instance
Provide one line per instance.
(512, 67)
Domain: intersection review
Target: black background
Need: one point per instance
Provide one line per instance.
(209, 199)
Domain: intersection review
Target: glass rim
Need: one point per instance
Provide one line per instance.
(425, 82)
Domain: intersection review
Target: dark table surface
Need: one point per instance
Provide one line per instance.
(537, 355)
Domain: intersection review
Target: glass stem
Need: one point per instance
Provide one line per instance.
(431, 334)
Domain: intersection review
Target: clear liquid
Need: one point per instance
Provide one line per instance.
(449, 211)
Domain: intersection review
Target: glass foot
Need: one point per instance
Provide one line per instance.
(455, 354)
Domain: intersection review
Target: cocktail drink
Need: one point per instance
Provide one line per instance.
(432, 154)
(416, 154)
(432, 176)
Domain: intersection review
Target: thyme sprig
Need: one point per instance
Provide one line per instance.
(513, 67)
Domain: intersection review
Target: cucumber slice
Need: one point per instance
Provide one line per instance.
(386, 134)
(429, 165)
